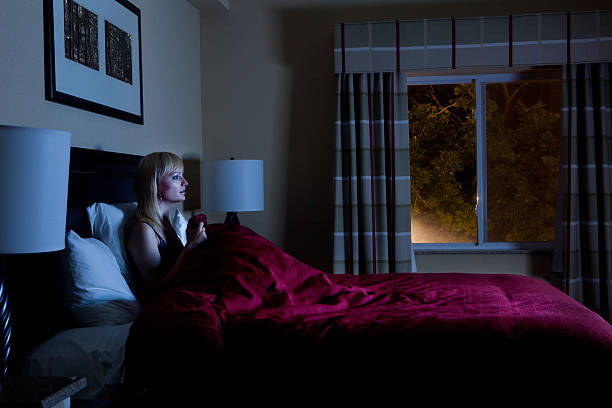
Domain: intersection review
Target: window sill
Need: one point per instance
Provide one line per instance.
(538, 248)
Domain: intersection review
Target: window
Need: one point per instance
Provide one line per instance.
(484, 157)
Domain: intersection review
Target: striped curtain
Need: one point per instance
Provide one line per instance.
(487, 41)
(585, 249)
(372, 181)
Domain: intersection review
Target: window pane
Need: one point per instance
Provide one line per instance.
(523, 131)
(443, 163)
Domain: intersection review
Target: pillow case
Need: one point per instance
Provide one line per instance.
(179, 223)
(96, 353)
(93, 288)
(108, 223)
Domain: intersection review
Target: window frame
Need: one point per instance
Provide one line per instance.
(480, 81)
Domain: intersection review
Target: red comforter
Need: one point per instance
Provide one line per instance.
(241, 305)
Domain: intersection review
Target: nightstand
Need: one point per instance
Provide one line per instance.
(39, 391)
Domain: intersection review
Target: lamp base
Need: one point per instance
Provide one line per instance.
(232, 218)
(5, 318)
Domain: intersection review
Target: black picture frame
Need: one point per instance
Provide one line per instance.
(102, 71)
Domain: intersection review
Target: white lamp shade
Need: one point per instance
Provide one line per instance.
(34, 188)
(233, 185)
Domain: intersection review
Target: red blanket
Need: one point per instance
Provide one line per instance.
(241, 302)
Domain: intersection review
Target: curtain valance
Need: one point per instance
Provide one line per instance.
(500, 41)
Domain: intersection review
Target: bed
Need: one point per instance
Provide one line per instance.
(243, 316)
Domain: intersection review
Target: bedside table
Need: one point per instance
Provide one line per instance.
(39, 391)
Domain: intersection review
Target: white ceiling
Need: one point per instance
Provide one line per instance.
(208, 4)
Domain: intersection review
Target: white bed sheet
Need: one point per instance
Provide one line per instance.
(97, 353)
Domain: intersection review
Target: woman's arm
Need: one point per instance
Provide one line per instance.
(142, 244)
(195, 237)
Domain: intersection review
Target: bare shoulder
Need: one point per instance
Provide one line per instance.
(140, 227)
(140, 231)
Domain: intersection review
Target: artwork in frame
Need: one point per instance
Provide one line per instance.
(93, 57)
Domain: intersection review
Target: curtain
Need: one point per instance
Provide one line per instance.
(470, 42)
(584, 249)
(372, 176)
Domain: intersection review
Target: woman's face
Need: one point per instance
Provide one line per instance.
(172, 186)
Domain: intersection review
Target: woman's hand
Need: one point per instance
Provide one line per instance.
(195, 236)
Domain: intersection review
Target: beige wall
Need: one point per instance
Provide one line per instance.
(171, 82)
(537, 264)
(269, 93)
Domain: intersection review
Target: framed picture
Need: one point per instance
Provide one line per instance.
(93, 57)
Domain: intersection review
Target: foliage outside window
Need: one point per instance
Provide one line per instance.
(484, 157)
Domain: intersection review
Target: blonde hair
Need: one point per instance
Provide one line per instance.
(150, 169)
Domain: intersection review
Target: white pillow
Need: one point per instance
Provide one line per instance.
(108, 222)
(96, 353)
(92, 285)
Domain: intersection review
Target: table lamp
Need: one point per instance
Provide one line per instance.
(33, 197)
(232, 186)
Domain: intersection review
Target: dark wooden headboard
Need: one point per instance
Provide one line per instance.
(98, 176)
(32, 280)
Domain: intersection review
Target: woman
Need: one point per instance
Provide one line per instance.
(153, 246)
